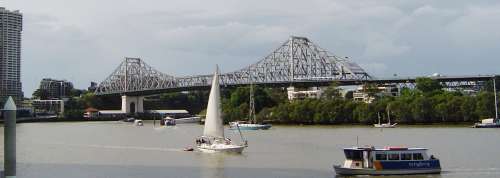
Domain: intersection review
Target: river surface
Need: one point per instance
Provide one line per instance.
(116, 149)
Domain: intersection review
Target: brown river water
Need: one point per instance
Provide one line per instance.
(117, 149)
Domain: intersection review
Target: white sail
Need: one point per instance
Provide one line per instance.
(213, 122)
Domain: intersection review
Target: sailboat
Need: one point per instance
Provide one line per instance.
(385, 125)
(491, 122)
(251, 124)
(213, 140)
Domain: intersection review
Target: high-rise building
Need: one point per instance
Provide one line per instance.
(56, 88)
(10, 55)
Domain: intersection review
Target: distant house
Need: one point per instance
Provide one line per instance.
(313, 92)
(91, 113)
(170, 113)
(386, 90)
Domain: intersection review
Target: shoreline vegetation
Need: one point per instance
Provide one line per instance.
(428, 103)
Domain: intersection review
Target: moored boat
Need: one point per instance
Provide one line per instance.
(385, 125)
(186, 120)
(251, 124)
(244, 125)
(488, 123)
(168, 121)
(491, 122)
(387, 161)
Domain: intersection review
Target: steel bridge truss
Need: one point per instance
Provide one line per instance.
(296, 60)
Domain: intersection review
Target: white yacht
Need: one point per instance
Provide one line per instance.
(385, 125)
(213, 140)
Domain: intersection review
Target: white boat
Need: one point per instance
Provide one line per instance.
(213, 140)
(186, 120)
(251, 124)
(385, 125)
(491, 122)
(167, 121)
(387, 161)
(138, 122)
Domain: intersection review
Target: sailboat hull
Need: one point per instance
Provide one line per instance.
(235, 125)
(221, 148)
(384, 125)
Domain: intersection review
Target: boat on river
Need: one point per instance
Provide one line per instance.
(251, 124)
(387, 161)
(213, 139)
(168, 121)
(138, 122)
(491, 122)
(385, 125)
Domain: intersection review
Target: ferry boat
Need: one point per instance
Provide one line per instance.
(387, 161)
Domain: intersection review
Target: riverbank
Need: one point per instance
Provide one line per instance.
(343, 125)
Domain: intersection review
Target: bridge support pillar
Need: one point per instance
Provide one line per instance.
(132, 104)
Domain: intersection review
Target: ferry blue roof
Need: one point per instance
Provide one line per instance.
(385, 149)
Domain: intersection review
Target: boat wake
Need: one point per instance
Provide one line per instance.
(480, 171)
(120, 147)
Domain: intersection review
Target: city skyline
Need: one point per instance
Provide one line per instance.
(86, 40)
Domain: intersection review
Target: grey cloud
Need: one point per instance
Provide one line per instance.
(85, 40)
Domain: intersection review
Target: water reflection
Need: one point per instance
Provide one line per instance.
(212, 165)
(397, 176)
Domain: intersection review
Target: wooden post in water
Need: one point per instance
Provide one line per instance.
(9, 121)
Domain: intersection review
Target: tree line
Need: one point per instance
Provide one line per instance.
(426, 103)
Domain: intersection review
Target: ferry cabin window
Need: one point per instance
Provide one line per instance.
(418, 156)
(394, 156)
(381, 156)
(354, 154)
(405, 156)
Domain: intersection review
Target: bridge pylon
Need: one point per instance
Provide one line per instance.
(132, 104)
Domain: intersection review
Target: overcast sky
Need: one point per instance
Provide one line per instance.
(85, 40)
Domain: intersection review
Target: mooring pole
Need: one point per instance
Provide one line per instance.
(9, 121)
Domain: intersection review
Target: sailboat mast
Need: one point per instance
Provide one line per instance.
(389, 116)
(378, 113)
(495, 92)
(251, 113)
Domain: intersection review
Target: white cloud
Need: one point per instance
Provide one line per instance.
(84, 41)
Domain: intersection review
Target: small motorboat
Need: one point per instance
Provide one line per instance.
(488, 123)
(129, 119)
(188, 149)
(187, 120)
(491, 122)
(167, 121)
(138, 122)
(387, 161)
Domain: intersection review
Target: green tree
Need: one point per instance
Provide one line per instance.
(485, 105)
(41, 94)
(428, 85)
(332, 91)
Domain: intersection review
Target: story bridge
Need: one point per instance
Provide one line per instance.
(298, 61)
